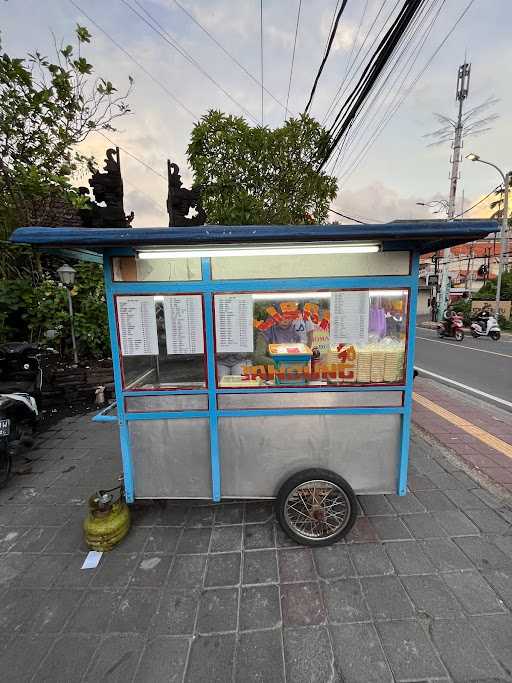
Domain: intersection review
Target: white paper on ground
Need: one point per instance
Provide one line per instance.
(92, 560)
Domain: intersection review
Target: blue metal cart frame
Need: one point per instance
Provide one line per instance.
(88, 244)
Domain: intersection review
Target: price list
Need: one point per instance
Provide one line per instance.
(234, 323)
(184, 324)
(137, 325)
(349, 317)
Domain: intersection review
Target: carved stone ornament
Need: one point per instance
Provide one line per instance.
(181, 201)
(107, 189)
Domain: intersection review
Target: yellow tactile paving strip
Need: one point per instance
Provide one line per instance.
(468, 427)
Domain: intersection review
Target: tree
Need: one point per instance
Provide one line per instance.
(498, 203)
(251, 176)
(488, 291)
(46, 109)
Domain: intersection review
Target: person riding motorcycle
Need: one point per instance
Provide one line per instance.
(481, 318)
(447, 317)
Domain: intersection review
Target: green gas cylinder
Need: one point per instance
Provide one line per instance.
(108, 521)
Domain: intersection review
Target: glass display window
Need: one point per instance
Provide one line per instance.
(310, 339)
(161, 339)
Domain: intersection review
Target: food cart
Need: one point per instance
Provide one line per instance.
(263, 362)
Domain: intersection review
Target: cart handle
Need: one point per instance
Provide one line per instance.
(102, 415)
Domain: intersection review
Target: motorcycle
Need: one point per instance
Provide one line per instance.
(455, 330)
(21, 384)
(486, 327)
(18, 421)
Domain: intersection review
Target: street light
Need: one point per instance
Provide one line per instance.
(67, 277)
(504, 224)
(435, 202)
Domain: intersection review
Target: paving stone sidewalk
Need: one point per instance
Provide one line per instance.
(484, 456)
(421, 590)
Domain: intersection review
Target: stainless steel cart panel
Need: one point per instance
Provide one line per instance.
(335, 399)
(147, 404)
(260, 453)
(171, 458)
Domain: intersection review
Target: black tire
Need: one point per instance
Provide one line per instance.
(474, 334)
(440, 332)
(495, 335)
(459, 335)
(347, 504)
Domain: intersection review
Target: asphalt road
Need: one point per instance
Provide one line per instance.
(480, 364)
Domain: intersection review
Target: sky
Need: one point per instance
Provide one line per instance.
(398, 168)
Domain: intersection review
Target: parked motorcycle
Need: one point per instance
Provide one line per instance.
(21, 382)
(18, 420)
(486, 326)
(454, 329)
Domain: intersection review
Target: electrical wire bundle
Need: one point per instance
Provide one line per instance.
(354, 130)
(352, 105)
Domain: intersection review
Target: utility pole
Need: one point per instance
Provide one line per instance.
(461, 94)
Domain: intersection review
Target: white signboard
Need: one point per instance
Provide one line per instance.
(184, 324)
(137, 325)
(349, 317)
(234, 323)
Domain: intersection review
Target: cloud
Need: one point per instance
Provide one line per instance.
(376, 203)
(398, 170)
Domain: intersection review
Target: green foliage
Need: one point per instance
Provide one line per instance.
(46, 109)
(253, 176)
(463, 306)
(28, 312)
(488, 291)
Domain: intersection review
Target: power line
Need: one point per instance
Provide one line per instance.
(168, 38)
(332, 23)
(227, 53)
(142, 192)
(343, 123)
(407, 41)
(371, 74)
(496, 189)
(130, 154)
(135, 61)
(351, 218)
(326, 55)
(339, 93)
(293, 59)
(393, 106)
(360, 129)
(261, 56)
(411, 86)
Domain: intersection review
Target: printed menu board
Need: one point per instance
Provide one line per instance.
(233, 323)
(349, 317)
(137, 325)
(184, 324)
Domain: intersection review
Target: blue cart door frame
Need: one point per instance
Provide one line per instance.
(208, 287)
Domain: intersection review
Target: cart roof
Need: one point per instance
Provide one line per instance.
(420, 236)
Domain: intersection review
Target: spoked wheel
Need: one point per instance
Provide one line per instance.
(316, 507)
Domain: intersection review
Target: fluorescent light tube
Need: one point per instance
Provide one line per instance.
(262, 250)
(278, 296)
